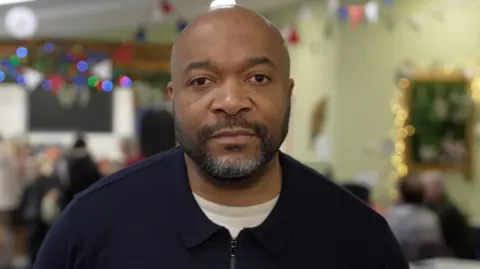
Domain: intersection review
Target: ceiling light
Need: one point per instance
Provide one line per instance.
(221, 3)
(9, 2)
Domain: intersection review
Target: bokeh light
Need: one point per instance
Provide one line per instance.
(2, 76)
(93, 81)
(47, 85)
(48, 47)
(125, 81)
(14, 60)
(22, 52)
(21, 79)
(107, 85)
(82, 66)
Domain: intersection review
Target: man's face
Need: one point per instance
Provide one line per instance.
(231, 100)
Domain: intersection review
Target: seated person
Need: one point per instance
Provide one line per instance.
(416, 227)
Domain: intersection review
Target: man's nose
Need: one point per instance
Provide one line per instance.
(231, 99)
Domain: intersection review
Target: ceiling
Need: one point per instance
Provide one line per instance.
(66, 18)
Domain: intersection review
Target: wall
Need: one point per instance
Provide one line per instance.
(13, 122)
(313, 66)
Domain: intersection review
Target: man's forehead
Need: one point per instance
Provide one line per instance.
(227, 35)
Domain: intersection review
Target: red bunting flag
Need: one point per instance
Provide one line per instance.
(294, 37)
(356, 15)
(167, 8)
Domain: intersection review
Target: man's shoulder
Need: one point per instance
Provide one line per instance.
(152, 168)
(332, 203)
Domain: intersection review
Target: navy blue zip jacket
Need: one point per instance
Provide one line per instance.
(145, 217)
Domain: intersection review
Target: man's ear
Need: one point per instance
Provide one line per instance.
(290, 87)
(170, 91)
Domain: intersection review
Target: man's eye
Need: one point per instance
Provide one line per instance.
(259, 79)
(199, 82)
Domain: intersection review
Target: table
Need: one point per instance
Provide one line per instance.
(446, 263)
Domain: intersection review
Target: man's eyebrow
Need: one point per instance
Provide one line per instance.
(260, 61)
(198, 65)
(206, 64)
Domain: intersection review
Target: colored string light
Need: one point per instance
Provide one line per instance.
(107, 85)
(22, 52)
(14, 60)
(48, 47)
(82, 66)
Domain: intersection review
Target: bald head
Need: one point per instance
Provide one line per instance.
(228, 20)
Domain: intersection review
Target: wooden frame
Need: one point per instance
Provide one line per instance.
(439, 76)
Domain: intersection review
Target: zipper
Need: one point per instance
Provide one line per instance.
(233, 250)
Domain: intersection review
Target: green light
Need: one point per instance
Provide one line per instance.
(14, 60)
(92, 81)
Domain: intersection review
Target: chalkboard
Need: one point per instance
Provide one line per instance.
(91, 111)
(440, 113)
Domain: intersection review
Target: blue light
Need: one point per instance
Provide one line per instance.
(2, 76)
(22, 52)
(48, 47)
(47, 85)
(82, 66)
(107, 85)
(21, 79)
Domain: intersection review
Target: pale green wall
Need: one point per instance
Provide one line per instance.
(356, 70)
(313, 66)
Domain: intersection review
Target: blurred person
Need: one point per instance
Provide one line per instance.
(227, 198)
(414, 225)
(76, 171)
(6, 242)
(8, 190)
(157, 132)
(130, 151)
(8, 203)
(458, 234)
(31, 206)
(24, 162)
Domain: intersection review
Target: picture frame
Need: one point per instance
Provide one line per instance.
(440, 115)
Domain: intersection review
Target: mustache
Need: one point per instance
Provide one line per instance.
(258, 129)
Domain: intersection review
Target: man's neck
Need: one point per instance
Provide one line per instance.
(262, 189)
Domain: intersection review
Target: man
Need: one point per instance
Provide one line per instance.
(416, 227)
(8, 204)
(157, 132)
(76, 171)
(227, 198)
(459, 236)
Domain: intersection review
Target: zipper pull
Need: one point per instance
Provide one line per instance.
(233, 249)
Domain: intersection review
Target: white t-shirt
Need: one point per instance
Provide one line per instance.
(233, 218)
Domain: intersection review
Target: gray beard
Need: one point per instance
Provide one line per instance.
(227, 168)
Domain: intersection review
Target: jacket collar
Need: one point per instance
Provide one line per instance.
(195, 227)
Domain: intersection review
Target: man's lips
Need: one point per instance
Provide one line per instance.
(232, 133)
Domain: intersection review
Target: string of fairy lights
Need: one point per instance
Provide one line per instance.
(402, 130)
